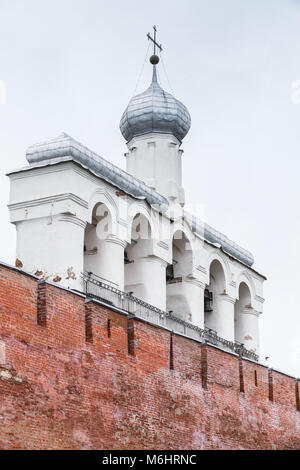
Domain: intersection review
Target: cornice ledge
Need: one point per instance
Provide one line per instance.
(116, 240)
(193, 280)
(72, 219)
(251, 311)
(48, 200)
(227, 298)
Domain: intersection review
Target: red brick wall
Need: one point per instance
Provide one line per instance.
(66, 384)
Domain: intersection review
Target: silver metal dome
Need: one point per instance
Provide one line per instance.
(155, 111)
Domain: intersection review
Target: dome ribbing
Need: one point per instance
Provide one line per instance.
(157, 111)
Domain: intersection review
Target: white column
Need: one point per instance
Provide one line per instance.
(146, 278)
(109, 262)
(247, 329)
(186, 300)
(196, 300)
(224, 305)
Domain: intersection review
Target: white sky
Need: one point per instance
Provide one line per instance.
(73, 66)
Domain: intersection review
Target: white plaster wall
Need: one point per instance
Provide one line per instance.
(52, 247)
(246, 317)
(224, 319)
(186, 300)
(247, 329)
(156, 160)
(146, 278)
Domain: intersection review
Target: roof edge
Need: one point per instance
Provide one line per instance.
(65, 148)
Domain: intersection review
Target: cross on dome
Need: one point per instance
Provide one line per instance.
(154, 59)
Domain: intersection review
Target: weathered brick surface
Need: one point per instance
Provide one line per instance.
(60, 391)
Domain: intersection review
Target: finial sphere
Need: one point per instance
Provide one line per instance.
(154, 59)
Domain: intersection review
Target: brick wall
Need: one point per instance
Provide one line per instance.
(76, 375)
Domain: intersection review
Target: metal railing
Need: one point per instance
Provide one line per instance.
(103, 290)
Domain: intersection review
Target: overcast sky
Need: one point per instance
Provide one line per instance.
(73, 65)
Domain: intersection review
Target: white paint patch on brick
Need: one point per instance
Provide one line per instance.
(2, 352)
(5, 374)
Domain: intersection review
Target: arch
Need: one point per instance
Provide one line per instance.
(139, 208)
(224, 263)
(96, 232)
(144, 273)
(102, 196)
(179, 227)
(141, 239)
(244, 295)
(179, 297)
(182, 255)
(184, 228)
(241, 307)
(217, 277)
(245, 277)
(214, 293)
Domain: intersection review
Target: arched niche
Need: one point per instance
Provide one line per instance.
(141, 241)
(245, 277)
(182, 258)
(137, 211)
(242, 306)
(140, 276)
(214, 289)
(103, 197)
(96, 232)
(180, 298)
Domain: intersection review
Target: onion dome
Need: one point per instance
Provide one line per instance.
(156, 111)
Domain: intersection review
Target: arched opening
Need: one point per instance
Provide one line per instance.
(179, 297)
(95, 233)
(212, 293)
(241, 308)
(141, 239)
(137, 259)
(103, 251)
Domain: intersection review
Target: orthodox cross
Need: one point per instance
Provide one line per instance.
(155, 44)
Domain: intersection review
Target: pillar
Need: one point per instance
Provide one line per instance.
(186, 300)
(109, 261)
(146, 278)
(247, 329)
(221, 319)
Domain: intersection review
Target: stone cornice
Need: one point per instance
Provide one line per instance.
(227, 298)
(48, 200)
(195, 281)
(116, 240)
(154, 259)
(72, 219)
(251, 311)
